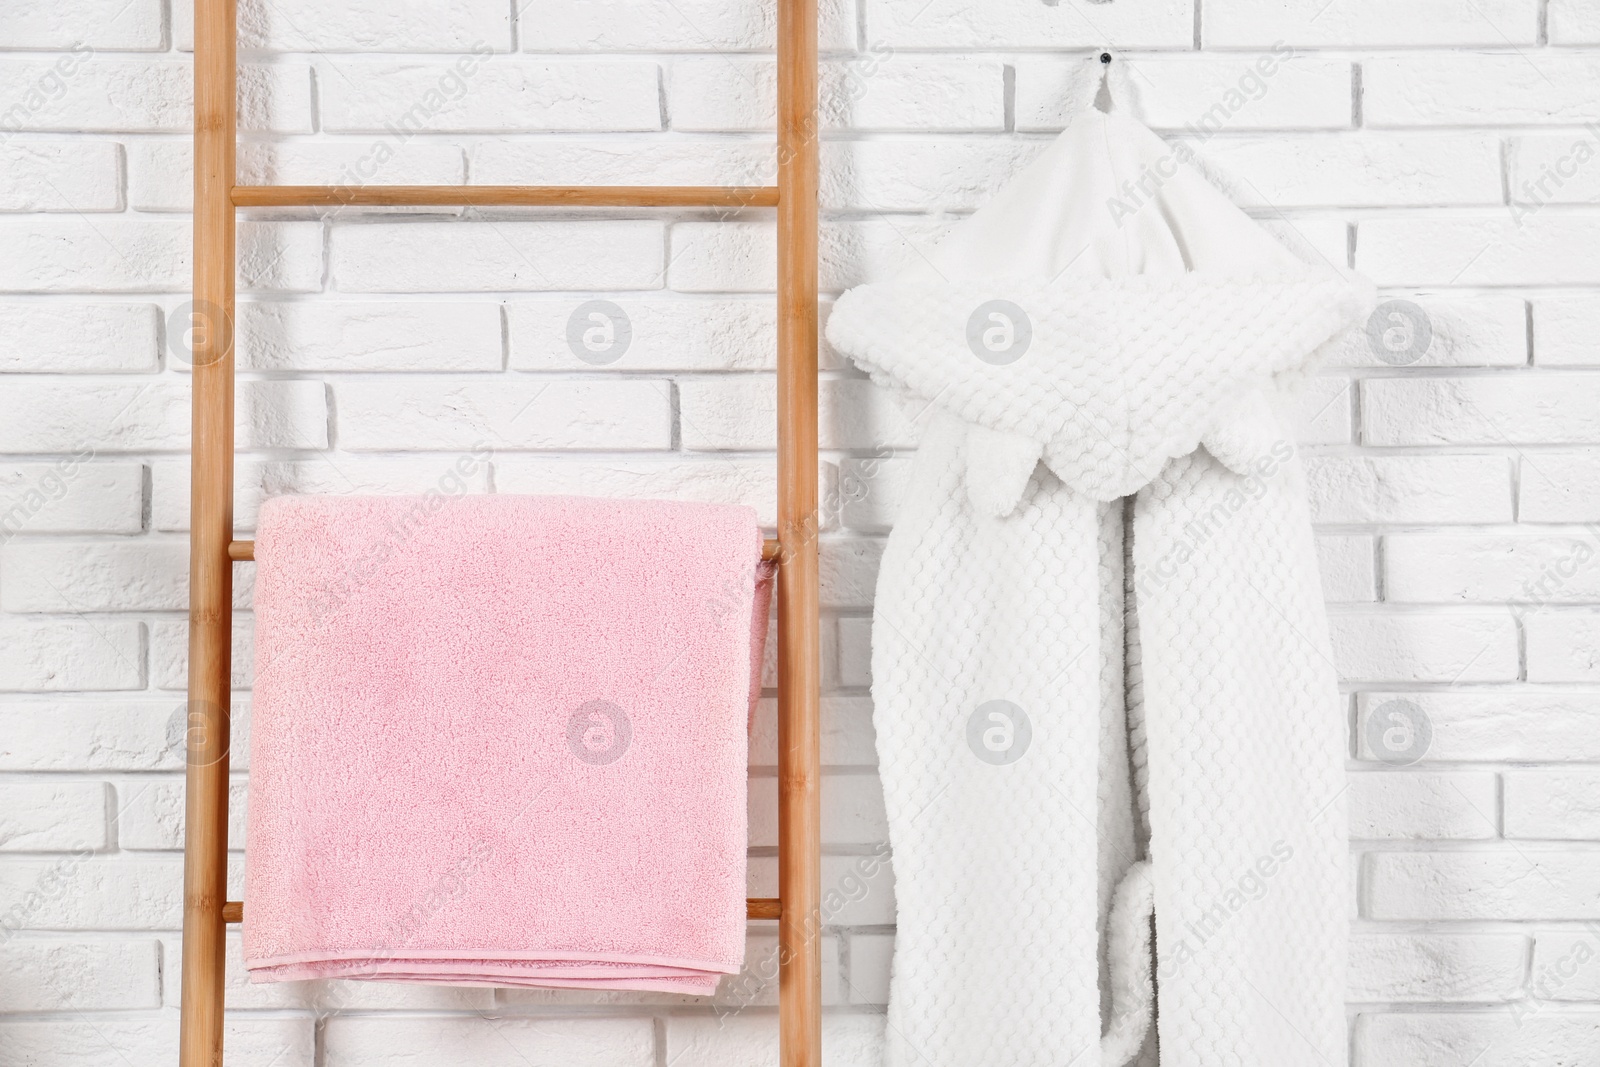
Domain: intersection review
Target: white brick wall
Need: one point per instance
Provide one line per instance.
(1441, 147)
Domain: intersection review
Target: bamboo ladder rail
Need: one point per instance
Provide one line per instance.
(213, 549)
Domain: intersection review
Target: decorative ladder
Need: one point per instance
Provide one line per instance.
(213, 549)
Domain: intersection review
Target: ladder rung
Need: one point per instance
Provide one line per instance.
(754, 908)
(245, 551)
(506, 195)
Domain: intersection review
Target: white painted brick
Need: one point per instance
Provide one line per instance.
(1322, 412)
(136, 734)
(369, 336)
(408, 26)
(60, 176)
(1561, 805)
(78, 892)
(77, 576)
(1435, 967)
(52, 816)
(1357, 170)
(1574, 22)
(871, 958)
(742, 256)
(80, 975)
(79, 93)
(520, 413)
(664, 333)
(1477, 331)
(1566, 331)
(674, 25)
(740, 412)
(751, 1040)
(112, 415)
(161, 173)
(1501, 409)
(1479, 250)
(856, 890)
(1501, 725)
(105, 25)
(493, 94)
(952, 24)
(944, 174)
(1348, 565)
(711, 479)
(1374, 646)
(66, 337)
(1404, 489)
(1358, 23)
(1504, 1038)
(1420, 806)
(1480, 89)
(870, 491)
(1559, 487)
(1325, 239)
(1203, 93)
(508, 1041)
(60, 654)
(81, 255)
(337, 473)
(1563, 646)
(1552, 169)
(881, 91)
(169, 645)
(847, 735)
(70, 495)
(852, 810)
(849, 571)
(1563, 967)
(633, 161)
(1500, 884)
(1494, 568)
(150, 815)
(497, 256)
(756, 984)
(855, 651)
(74, 1040)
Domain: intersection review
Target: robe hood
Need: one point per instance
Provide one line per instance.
(1108, 310)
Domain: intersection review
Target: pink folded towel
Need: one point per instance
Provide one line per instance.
(502, 740)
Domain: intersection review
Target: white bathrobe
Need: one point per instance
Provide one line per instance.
(1101, 671)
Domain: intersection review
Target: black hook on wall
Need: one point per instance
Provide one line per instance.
(1105, 57)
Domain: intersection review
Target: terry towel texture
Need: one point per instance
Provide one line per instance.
(502, 740)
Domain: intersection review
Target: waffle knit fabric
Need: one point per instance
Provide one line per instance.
(1101, 671)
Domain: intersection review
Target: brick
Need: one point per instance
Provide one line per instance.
(135, 734)
(514, 414)
(1407, 489)
(1558, 805)
(507, 1041)
(60, 176)
(852, 811)
(1559, 486)
(1563, 646)
(1368, 23)
(847, 736)
(855, 651)
(1573, 22)
(1412, 805)
(71, 495)
(870, 491)
(105, 25)
(1311, 238)
(661, 333)
(1480, 89)
(1493, 568)
(1483, 1039)
(150, 815)
(81, 93)
(849, 571)
(124, 254)
(1565, 331)
(1323, 411)
(1473, 250)
(1348, 565)
(77, 892)
(1502, 725)
(1551, 169)
(741, 413)
(487, 94)
(881, 91)
(952, 24)
(169, 646)
(676, 26)
(73, 337)
(109, 415)
(924, 174)
(51, 655)
(1502, 409)
(1376, 646)
(634, 161)
(856, 890)
(78, 576)
(251, 1041)
(1563, 965)
(369, 336)
(1481, 331)
(497, 256)
(1358, 170)
(1413, 968)
(161, 173)
(52, 816)
(80, 975)
(1202, 93)
(742, 256)
(756, 984)
(711, 479)
(751, 1040)
(1502, 885)
(871, 958)
(407, 26)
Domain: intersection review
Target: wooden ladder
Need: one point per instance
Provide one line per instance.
(213, 549)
